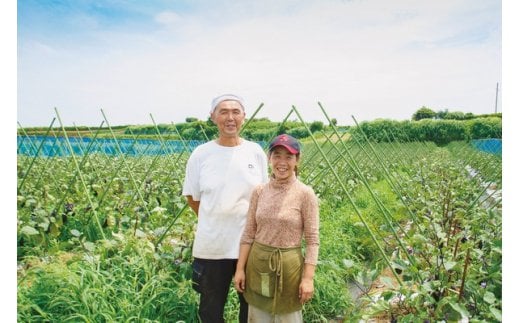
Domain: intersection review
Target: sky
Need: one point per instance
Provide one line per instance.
(166, 59)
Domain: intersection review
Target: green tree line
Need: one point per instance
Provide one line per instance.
(439, 127)
(438, 131)
(261, 129)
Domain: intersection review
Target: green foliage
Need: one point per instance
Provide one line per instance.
(316, 126)
(261, 129)
(482, 128)
(122, 279)
(298, 132)
(423, 113)
(381, 130)
(455, 116)
(426, 113)
(440, 132)
(259, 134)
(450, 245)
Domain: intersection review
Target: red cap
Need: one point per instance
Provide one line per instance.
(292, 145)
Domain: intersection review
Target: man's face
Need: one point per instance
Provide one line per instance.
(229, 117)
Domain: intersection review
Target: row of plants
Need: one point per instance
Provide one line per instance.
(447, 196)
(427, 113)
(441, 132)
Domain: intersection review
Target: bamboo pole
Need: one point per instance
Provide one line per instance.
(87, 193)
(358, 213)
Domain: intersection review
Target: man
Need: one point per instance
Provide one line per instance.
(220, 176)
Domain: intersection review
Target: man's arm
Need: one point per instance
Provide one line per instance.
(240, 272)
(194, 205)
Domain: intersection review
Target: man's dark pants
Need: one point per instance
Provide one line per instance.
(212, 279)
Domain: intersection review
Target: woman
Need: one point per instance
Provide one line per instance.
(274, 276)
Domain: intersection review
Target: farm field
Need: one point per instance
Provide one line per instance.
(410, 232)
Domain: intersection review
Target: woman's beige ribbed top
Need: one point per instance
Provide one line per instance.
(281, 213)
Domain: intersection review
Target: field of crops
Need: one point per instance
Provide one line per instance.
(409, 231)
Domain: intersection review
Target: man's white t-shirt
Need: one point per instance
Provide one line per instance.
(222, 179)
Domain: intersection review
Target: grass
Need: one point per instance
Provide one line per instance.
(133, 285)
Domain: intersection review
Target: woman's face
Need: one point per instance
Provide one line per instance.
(283, 163)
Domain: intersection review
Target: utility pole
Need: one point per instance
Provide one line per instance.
(496, 98)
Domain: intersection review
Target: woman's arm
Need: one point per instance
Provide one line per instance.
(311, 227)
(307, 284)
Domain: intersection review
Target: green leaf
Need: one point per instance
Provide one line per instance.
(30, 231)
(348, 263)
(400, 264)
(460, 309)
(41, 213)
(75, 233)
(140, 234)
(159, 210)
(89, 246)
(449, 265)
(496, 313)
(54, 230)
(20, 199)
(44, 225)
(31, 202)
(439, 232)
(427, 286)
(118, 236)
(489, 298)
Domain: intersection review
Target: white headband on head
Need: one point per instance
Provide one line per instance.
(226, 97)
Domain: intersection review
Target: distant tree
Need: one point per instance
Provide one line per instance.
(492, 115)
(191, 119)
(456, 115)
(316, 126)
(298, 132)
(282, 128)
(441, 114)
(469, 116)
(423, 113)
(333, 122)
(264, 119)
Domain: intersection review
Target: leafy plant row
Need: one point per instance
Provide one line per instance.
(440, 132)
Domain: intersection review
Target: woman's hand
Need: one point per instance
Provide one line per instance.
(240, 280)
(306, 290)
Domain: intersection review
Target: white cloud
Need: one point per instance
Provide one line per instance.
(167, 18)
(364, 58)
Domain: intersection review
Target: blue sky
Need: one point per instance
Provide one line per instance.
(370, 59)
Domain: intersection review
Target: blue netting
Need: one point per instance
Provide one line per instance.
(57, 146)
(493, 146)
